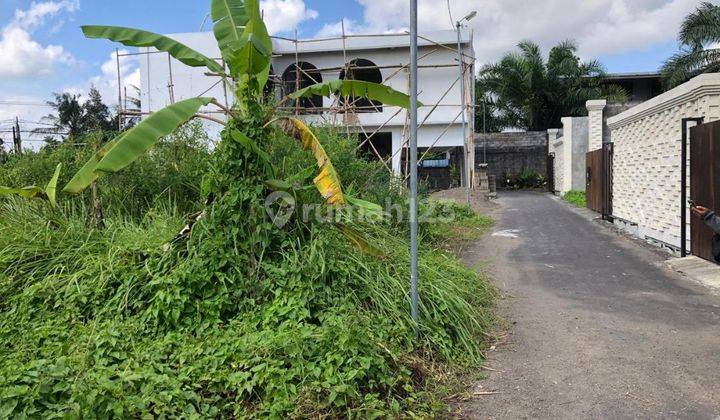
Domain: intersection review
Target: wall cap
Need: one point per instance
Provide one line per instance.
(702, 85)
(596, 104)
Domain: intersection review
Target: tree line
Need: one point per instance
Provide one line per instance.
(525, 90)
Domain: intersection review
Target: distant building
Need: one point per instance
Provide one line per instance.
(377, 58)
(640, 86)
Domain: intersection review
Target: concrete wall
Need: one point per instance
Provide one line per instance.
(646, 160)
(508, 154)
(570, 148)
(555, 148)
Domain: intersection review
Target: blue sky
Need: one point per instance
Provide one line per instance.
(42, 49)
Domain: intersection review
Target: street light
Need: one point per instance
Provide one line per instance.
(467, 159)
(469, 16)
(413, 167)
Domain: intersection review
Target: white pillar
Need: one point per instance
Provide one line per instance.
(568, 158)
(595, 114)
(396, 145)
(553, 135)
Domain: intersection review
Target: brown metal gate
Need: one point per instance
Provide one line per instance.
(704, 183)
(598, 180)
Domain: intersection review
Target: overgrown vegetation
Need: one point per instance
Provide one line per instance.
(168, 176)
(527, 179)
(576, 198)
(242, 313)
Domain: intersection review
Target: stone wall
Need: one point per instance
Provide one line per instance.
(511, 153)
(646, 158)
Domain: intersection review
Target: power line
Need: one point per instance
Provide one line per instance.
(19, 103)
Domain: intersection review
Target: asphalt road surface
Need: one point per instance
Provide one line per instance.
(597, 327)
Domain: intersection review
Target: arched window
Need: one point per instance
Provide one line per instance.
(306, 76)
(366, 70)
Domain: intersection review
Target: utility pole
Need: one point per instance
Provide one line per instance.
(17, 139)
(413, 166)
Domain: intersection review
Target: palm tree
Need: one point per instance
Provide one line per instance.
(69, 120)
(527, 92)
(699, 35)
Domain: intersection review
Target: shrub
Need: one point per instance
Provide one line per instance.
(526, 179)
(107, 324)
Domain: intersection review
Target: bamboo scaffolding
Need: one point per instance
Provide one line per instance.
(348, 107)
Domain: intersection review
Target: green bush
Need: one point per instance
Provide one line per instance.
(576, 198)
(108, 323)
(526, 179)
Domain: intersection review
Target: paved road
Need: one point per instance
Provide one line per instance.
(597, 327)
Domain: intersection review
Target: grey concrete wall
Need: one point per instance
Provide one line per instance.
(511, 153)
(611, 110)
(579, 150)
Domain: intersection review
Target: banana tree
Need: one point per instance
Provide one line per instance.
(49, 193)
(246, 49)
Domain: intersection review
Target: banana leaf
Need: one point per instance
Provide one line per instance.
(327, 181)
(51, 188)
(87, 174)
(358, 240)
(356, 88)
(139, 38)
(139, 139)
(251, 54)
(230, 18)
(25, 192)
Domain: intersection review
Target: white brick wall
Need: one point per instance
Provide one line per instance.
(595, 115)
(646, 162)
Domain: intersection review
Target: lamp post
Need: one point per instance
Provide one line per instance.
(413, 166)
(467, 159)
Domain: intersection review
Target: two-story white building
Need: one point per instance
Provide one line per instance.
(378, 58)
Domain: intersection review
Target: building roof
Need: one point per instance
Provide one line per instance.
(369, 42)
(634, 75)
(282, 45)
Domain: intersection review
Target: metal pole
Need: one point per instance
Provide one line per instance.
(683, 182)
(464, 122)
(119, 80)
(18, 139)
(413, 165)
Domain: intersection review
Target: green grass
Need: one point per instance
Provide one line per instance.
(103, 324)
(463, 225)
(576, 198)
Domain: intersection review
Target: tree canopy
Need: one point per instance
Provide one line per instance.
(526, 91)
(699, 33)
(72, 117)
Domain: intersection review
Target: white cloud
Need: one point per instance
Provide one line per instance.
(107, 83)
(599, 26)
(38, 12)
(23, 57)
(285, 15)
